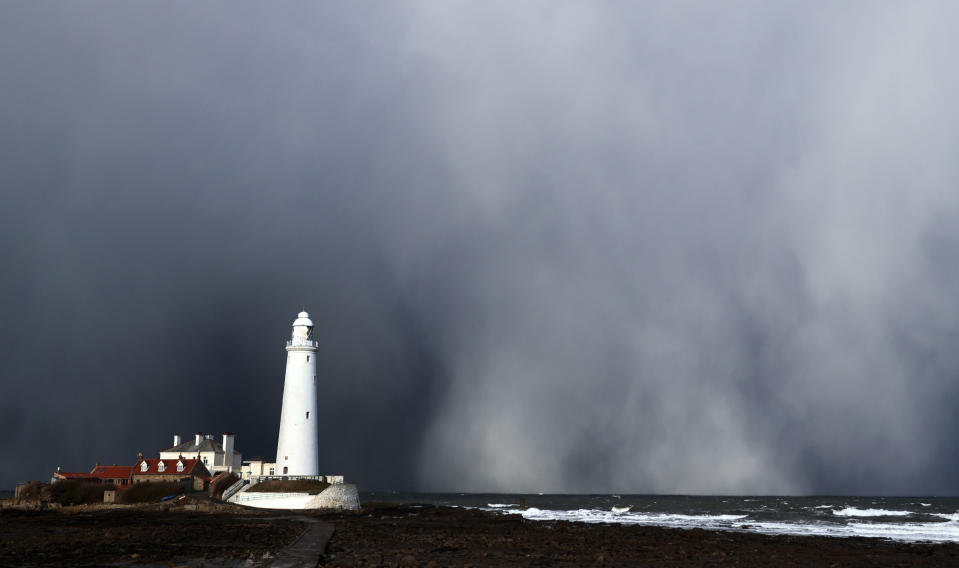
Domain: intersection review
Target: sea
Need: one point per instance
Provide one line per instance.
(907, 519)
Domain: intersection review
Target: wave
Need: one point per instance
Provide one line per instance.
(901, 531)
(856, 512)
(501, 505)
(908, 532)
(625, 517)
(622, 509)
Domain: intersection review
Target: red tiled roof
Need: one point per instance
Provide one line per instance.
(170, 467)
(112, 471)
(73, 475)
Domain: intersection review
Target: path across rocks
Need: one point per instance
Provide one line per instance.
(305, 551)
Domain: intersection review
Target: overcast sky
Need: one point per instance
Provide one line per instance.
(548, 246)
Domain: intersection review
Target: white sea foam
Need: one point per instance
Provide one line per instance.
(855, 512)
(909, 532)
(823, 506)
(620, 510)
(501, 505)
(657, 519)
(945, 531)
(926, 504)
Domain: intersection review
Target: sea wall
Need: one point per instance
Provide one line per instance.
(343, 496)
(340, 496)
(272, 500)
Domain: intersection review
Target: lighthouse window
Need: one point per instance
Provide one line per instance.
(307, 414)
(307, 358)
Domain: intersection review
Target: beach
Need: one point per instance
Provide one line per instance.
(389, 534)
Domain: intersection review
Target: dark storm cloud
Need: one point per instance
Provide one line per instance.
(658, 247)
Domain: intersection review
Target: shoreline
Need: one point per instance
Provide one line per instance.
(386, 534)
(423, 535)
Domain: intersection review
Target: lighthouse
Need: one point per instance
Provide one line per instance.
(297, 448)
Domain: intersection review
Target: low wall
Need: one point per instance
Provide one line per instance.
(343, 496)
(272, 500)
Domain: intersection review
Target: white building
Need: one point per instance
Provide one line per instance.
(257, 468)
(297, 450)
(215, 456)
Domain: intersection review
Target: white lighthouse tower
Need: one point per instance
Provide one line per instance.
(297, 449)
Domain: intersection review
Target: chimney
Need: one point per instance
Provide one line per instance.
(209, 436)
(139, 456)
(176, 440)
(199, 438)
(228, 451)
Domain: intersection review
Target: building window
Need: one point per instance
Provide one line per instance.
(179, 466)
(272, 471)
(161, 467)
(285, 469)
(143, 466)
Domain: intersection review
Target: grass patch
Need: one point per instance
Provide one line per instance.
(291, 486)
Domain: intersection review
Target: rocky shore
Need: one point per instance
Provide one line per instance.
(389, 535)
(383, 534)
(133, 536)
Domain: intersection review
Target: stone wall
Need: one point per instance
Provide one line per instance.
(273, 500)
(339, 496)
(342, 497)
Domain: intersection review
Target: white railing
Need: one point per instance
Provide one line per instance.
(256, 496)
(302, 343)
(231, 490)
(254, 479)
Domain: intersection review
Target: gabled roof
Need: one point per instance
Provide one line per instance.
(112, 471)
(190, 466)
(190, 447)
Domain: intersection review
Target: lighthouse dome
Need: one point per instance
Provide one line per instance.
(303, 318)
